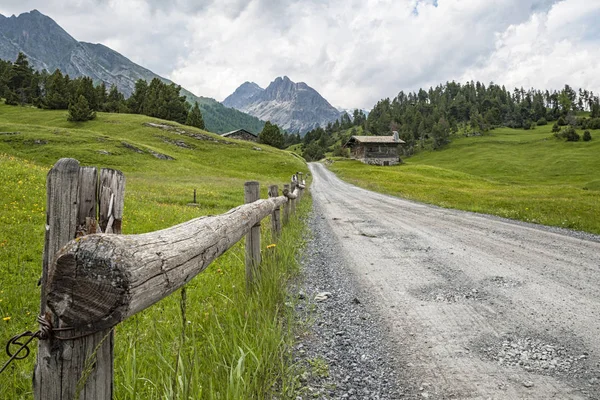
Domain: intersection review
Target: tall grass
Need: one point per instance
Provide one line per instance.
(234, 343)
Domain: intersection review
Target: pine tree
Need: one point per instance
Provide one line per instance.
(101, 96)
(80, 111)
(115, 101)
(85, 88)
(136, 101)
(57, 93)
(271, 135)
(194, 117)
(20, 81)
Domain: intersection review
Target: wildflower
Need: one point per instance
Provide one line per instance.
(6, 319)
(271, 246)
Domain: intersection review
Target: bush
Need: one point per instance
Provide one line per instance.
(339, 151)
(587, 136)
(562, 121)
(570, 135)
(593, 123)
(527, 125)
(542, 121)
(555, 128)
(313, 152)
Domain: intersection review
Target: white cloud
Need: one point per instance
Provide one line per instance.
(547, 51)
(354, 52)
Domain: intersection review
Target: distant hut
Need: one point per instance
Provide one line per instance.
(241, 134)
(376, 150)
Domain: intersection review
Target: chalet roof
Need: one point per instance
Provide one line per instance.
(375, 139)
(238, 131)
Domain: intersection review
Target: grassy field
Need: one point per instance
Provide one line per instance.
(518, 174)
(225, 343)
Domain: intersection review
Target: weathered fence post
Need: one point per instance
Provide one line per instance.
(251, 194)
(79, 368)
(293, 201)
(276, 216)
(300, 182)
(286, 206)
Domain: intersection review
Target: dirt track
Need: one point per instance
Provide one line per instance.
(478, 307)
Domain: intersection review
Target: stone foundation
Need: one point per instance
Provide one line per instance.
(381, 161)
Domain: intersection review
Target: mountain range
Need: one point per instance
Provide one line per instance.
(50, 47)
(295, 107)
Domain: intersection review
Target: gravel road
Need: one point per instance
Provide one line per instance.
(450, 304)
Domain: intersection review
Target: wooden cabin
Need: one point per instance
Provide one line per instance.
(375, 150)
(241, 134)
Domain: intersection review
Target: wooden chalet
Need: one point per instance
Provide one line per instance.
(241, 134)
(376, 150)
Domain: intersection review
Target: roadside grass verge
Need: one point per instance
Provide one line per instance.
(221, 343)
(523, 175)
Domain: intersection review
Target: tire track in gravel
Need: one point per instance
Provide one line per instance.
(476, 307)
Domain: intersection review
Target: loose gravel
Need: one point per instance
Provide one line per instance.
(343, 348)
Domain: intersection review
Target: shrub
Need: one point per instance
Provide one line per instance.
(587, 136)
(593, 123)
(527, 124)
(555, 128)
(570, 134)
(562, 121)
(542, 121)
(339, 151)
(313, 152)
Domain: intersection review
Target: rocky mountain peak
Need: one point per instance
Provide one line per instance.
(295, 107)
(39, 37)
(242, 95)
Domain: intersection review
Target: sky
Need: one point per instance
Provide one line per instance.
(354, 52)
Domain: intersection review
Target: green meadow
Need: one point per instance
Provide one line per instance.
(215, 341)
(526, 175)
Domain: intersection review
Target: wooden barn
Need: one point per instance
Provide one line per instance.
(241, 134)
(376, 150)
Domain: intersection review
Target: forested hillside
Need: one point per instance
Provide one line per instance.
(428, 118)
(21, 85)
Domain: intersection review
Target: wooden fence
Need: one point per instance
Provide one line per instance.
(94, 278)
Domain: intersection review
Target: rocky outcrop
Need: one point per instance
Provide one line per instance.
(296, 107)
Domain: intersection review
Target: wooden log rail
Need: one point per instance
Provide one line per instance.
(98, 280)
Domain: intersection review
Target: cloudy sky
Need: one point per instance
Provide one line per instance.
(354, 52)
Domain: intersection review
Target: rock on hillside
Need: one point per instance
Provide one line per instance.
(50, 47)
(295, 107)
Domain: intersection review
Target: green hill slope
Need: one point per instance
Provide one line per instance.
(217, 329)
(524, 175)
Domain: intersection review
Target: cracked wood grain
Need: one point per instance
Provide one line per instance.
(101, 280)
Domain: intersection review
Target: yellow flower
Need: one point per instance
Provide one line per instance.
(6, 319)
(271, 246)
